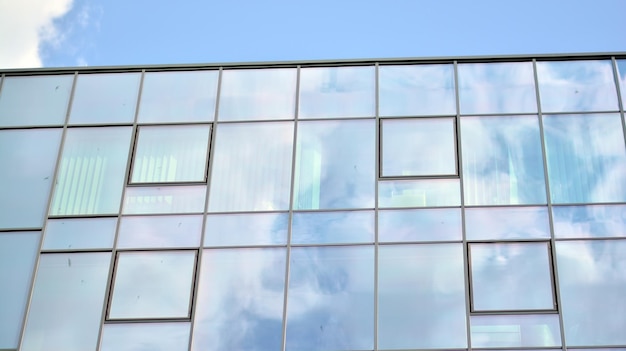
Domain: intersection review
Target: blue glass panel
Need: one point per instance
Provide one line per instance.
(495, 223)
(621, 71)
(531, 330)
(145, 336)
(419, 193)
(332, 227)
(164, 199)
(593, 221)
(419, 225)
(246, 229)
(159, 231)
(79, 233)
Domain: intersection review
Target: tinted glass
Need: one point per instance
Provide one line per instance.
(497, 88)
(502, 161)
(421, 297)
(34, 100)
(66, 305)
(591, 147)
(327, 92)
(159, 231)
(506, 223)
(416, 90)
(418, 147)
(419, 225)
(105, 98)
(178, 97)
(332, 227)
(577, 86)
(246, 229)
(145, 336)
(165, 199)
(419, 193)
(331, 299)
(539, 330)
(79, 233)
(589, 221)
(28, 158)
(335, 165)
(92, 170)
(621, 71)
(252, 167)
(253, 94)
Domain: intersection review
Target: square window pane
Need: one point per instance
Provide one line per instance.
(332, 227)
(246, 229)
(539, 330)
(171, 154)
(592, 221)
(152, 285)
(79, 233)
(165, 199)
(418, 147)
(327, 92)
(495, 223)
(159, 231)
(145, 336)
(419, 193)
(439, 224)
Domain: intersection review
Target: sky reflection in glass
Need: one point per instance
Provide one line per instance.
(419, 193)
(105, 98)
(332, 227)
(592, 221)
(159, 231)
(79, 233)
(505, 223)
(419, 225)
(246, 229)
(164, 199)
(145, 337)
(621, 71)
(530, 330)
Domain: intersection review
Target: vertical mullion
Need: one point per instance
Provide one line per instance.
(620, 103)
(377, 165)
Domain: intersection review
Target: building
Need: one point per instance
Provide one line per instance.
(413, 204)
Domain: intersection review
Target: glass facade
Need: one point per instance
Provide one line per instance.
(451, 204)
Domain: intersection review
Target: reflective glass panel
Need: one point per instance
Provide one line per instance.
(327, 92)
(335, 165)
(28, 158)
(66, 306)
(152, 285)
(145, 336)
(413, 90)
(254, 94)
(512, 276)
(91, 174)
(171, 154)
(251, 167)
(331, 299)
(165, 199)
(79, 233)
(506, 223)
(246, 229)
(593, 221)
(18, 251)
(105, 98)
(178, 97)
(502, 160)
(418, 147)
(586, 158)
(332, 227)
(240, 301)
(497, 88)
(577, 86)
(419, 225)
(421, 297)
(34, 100)
(159, 231)
(621, 71)
(419, 193)
(539, 330)
(592, 281)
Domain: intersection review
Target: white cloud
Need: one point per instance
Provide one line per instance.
(24, 26)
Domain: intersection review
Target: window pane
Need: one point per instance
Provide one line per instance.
(327, 92)
(335, 165)
(419, 225)
(497, 88)
(28, 158)
(592, 281)
(171, 154)
(240, 301)
(252, 167)
(145, 336)
(513, 276)
(621, 71)
(79, 233)
(253, 94)
(404, 145)
(165, 199)
(577, 86)
(105, 98)
(91, 173)
(178, 97)
(421, 297)
(18, 251)
(419, 193)
(332, 227)
(506, 223)
(152, 285)
(331, 299)
(539, 330)
(586, 158)
(67, 302)
(246, 229)
(414, 90)
(594, 221)
(159, 231)
(34, 100)
(502, 161)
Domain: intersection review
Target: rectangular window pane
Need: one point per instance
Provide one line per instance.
(506, 223)
(91, 173)
(621, 71)
(171, 154)
(145, 336)
(419, 225)
(252, 167)
(539, 330)
(332, 227)
(335, 165)
(593, 221)
(165, 199)
(79, 233)
(327, 92)
(159, 231)
(246, 229)
(419, 193)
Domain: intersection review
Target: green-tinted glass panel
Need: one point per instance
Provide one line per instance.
(530, 330)
(419, 193)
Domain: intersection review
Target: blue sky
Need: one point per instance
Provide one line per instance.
(54, 33)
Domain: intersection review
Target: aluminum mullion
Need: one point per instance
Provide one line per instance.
(378, 170)
(620, 103)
